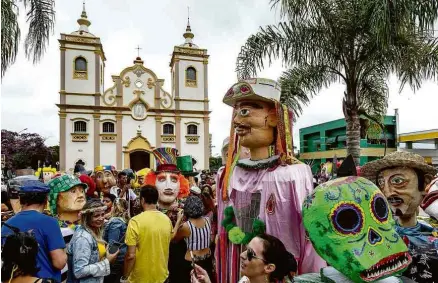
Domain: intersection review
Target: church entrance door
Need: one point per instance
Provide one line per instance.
(139, 160)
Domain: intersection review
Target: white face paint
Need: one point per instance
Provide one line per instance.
(168, 187)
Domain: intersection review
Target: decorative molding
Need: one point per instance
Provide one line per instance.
(158, 118)
(192, 139)
(167, 122)
(77, 75)
(96, 116)
(107, 120)
(108, 137)
(192, 123)
(168, 138)
(190, 51)
(150, 83)
(62, 115)
(126, 82)
(81, 119)
(191, 100)
(124, 108)
(109, 98)
(191, 83)
(63, 92)
(82, 39)
(79, 137)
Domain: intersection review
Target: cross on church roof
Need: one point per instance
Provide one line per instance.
(138, 50)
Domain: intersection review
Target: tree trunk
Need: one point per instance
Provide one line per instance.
(353, 134)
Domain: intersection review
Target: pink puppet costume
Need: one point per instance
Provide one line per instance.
(266, 191)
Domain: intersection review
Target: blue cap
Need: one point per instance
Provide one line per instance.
(34, 186)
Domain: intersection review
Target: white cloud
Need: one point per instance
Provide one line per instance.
(29, 92)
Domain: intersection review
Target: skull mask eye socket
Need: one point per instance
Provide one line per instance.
(347, 218)
(379, 208)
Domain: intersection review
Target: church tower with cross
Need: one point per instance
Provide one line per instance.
(121, 122)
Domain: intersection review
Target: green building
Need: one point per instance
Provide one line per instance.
(322, 142)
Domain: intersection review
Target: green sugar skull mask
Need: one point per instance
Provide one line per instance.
(350, 225)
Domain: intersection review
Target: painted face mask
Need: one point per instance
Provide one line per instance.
(168, 186)
(350, 225)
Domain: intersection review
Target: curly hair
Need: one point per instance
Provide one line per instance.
(120, 209)
(193, 207)
(19, 255)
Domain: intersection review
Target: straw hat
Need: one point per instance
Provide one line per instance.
(396, 159)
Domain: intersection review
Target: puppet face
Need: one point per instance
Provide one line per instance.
(400, 187)
(168, 187)
(254, 123)
(350, 225)
(105, 180)
(47, 176)
(71, 200)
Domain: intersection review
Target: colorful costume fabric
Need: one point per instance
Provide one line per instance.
(350, 225)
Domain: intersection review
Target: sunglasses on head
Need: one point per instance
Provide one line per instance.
(251, 255)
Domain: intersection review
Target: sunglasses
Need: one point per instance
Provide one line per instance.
(250, 254)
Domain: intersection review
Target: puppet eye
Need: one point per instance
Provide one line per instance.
(244, 112)
(347, 218)
(379, 208)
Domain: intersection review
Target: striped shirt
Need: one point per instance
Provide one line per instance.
(200, 238)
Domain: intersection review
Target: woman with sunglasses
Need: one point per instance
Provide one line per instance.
(265, 260)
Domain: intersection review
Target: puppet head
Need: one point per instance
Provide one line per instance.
(167, 178)
(402, 177)
(67, 195)
(105, 178)
(48, 173)
(350, 225)
(141, 174)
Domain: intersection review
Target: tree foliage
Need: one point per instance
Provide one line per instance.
(215, 163)
(26, 149)
(356, 42)
(40, 16)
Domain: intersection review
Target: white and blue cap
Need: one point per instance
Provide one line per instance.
(34, 186)
(253, 89)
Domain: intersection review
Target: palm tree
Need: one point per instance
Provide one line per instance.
(357, 42)
(40, 15)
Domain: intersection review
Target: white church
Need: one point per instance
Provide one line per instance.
(121, 125)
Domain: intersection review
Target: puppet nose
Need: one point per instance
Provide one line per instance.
(374, 237)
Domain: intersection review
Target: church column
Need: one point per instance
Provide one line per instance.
(62, 141)
(206, 142)
(177, 85)
(96, 117)
(119, 139)
(97, 79)
(157, 131)
(178, 133)
(62, 77)
(205, 84)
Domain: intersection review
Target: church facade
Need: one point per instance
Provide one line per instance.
(122, 124)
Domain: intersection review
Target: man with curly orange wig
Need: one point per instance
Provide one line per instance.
(172, 189)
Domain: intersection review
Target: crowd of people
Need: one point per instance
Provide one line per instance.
(261, 218)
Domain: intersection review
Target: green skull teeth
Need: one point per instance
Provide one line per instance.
(387, 266)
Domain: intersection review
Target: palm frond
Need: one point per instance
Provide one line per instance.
(41, 18)
(373, 94)
(300, 84)
(10, 34)
(298, 43)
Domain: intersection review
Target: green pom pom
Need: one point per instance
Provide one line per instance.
(236, 235)
(258, 227)
(248, 237)
(229, 212)
(229, 226)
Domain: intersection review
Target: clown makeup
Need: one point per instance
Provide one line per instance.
(167, 184)
(71, 200)
(254, 123)
(400, 187)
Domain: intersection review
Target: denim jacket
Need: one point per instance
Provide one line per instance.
(83, 259)
(115, 231)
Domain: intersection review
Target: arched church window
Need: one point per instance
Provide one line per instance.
(192, 130)
(168, 129)
(108, 127)
(80, 68)
(191, 77)
(80, 127)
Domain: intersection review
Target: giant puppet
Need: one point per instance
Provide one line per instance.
(268, 188)
(66, 200)
(172, 188)
(105, 178)
(350, 225)
(403, 177)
